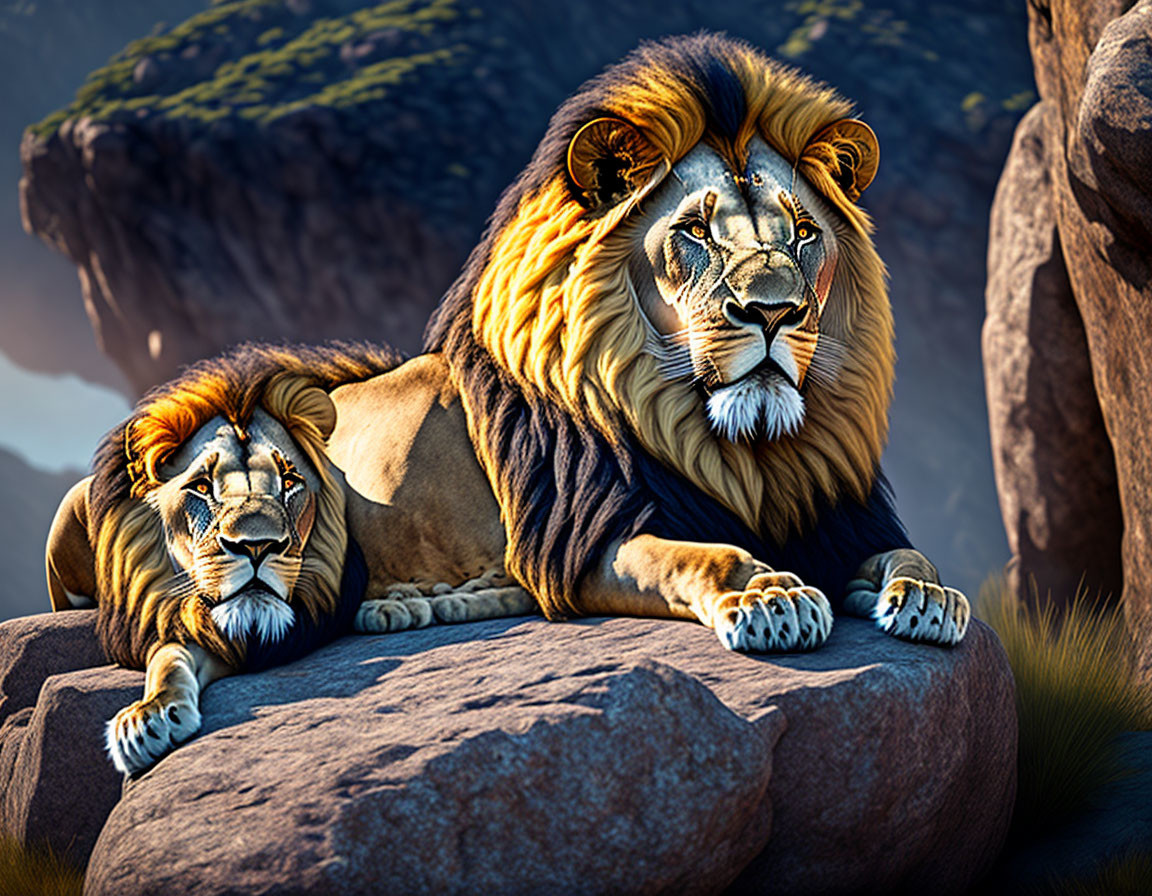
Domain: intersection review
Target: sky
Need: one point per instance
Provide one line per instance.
(54, 422)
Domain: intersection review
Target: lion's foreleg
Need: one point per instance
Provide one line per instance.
(749, 605)
(169, 714)
(901, 591)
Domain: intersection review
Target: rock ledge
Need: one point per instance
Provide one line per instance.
(606, 755)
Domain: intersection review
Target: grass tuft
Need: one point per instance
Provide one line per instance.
(1129, 875)
(36, 872)
(1076, 692)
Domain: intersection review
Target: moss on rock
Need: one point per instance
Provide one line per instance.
(260, 59)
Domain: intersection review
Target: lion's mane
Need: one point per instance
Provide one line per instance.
(583, 439)
(126, 532)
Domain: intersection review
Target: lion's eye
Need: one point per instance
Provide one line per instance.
(805, 230)
(291, 480)
(698, 230)
(200, 486)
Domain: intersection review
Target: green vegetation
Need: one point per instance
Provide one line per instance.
(296, 62)
(27, 872)
(1075, 694)
(1019, 102)
(816, 15)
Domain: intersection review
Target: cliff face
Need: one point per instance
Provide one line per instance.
(47, 47)
(1070, 416)
(321, 168)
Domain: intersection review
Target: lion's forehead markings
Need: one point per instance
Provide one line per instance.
(751, 208)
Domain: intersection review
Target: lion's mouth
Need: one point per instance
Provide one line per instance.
(767, 373)
(769, 369)
(253, 588)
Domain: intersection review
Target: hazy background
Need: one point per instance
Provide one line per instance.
(58, 394)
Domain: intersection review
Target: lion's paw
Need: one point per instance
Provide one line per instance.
(917, 610)
(490, 603)
(450, 608)
(393, 615)
(144, 731)
(774, 612)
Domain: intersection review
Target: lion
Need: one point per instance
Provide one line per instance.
(672, 357)
(659, 388)
(212, 536)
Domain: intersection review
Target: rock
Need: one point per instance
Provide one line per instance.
(333, 202)
(1053, 461)
(48, 48)
(34, 647)
(603, 755)
(1093, 64)
(59, 784)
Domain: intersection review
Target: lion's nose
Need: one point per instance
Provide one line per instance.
(770, 316)
(255, 549)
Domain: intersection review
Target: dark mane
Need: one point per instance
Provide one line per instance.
(568, 491)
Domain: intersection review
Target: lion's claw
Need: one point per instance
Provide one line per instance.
(917, 610)
(775, 612)
(142, 732)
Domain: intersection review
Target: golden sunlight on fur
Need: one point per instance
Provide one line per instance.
(553, 308)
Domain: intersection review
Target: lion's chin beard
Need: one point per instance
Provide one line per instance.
(761, 405)
(254, 612)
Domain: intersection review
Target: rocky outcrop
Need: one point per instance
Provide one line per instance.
(1093, 68)
(1052, 457)
(48, 48)
(58, 784)
(321, 169)
(605, 755)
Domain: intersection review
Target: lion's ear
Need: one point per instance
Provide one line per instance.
(609, 160)
(849, 150)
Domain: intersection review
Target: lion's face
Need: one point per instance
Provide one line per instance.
(732, 269)
(238, 505)
(685, 260)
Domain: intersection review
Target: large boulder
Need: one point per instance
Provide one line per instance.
(303, 170)
(1053, 461)
(1093, 64)
(59, 785)
(605, 755)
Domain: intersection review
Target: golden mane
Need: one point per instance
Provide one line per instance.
(132, 563)
(552, 304)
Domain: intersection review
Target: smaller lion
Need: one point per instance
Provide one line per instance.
(212, 537)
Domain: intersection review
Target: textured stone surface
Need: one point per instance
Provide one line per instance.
(595, 756)
(348, 217)
(34, 647)
(1053, 461)
(59, 786)
(1093, 64)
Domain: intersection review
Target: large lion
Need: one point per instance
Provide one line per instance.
(673, 356)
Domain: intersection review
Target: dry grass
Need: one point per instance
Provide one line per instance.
(1075, 693)
(28, 872)
(1130, 875)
